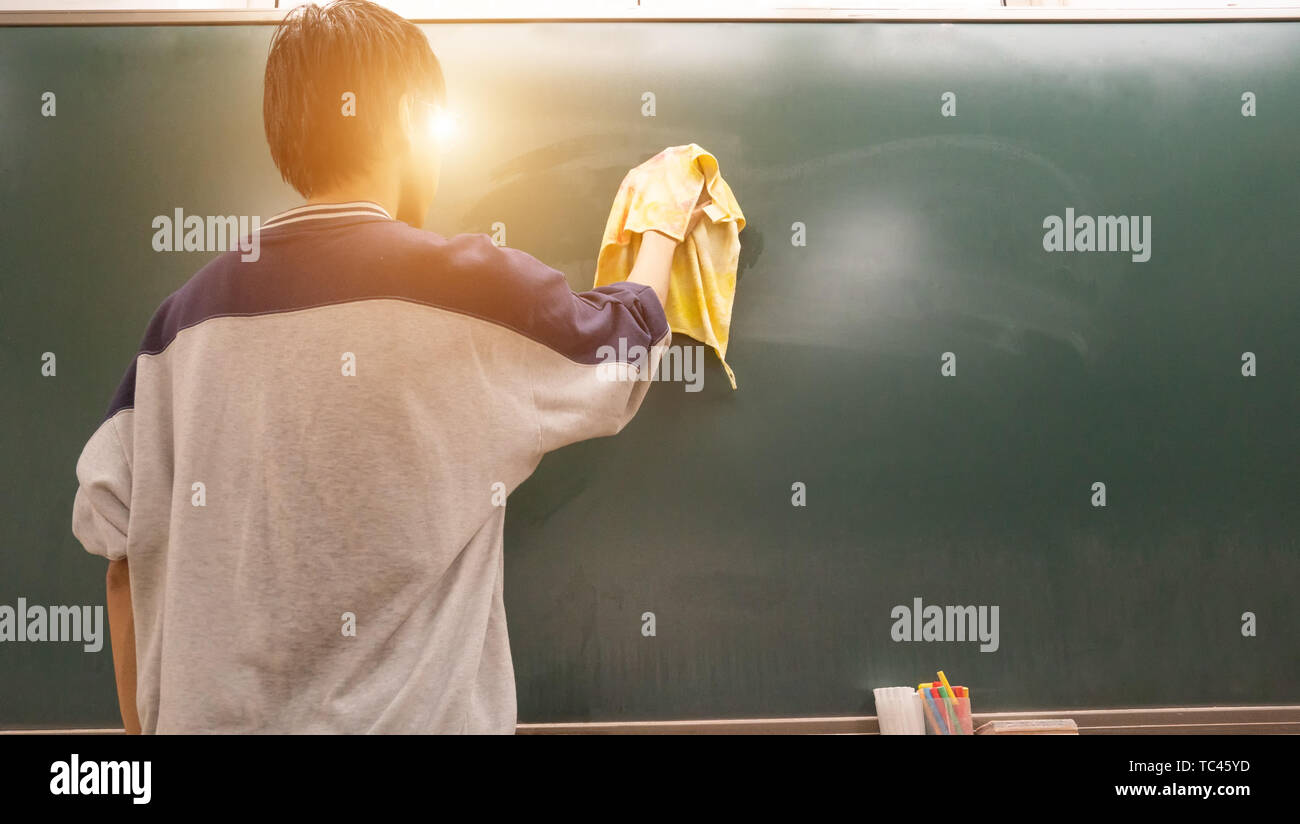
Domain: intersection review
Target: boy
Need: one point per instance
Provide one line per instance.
(299, 481)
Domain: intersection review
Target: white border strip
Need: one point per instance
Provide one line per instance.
(1267, 719)
(1252, 720)
(1019, 14)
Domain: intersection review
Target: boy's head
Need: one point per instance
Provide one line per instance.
(351, 89)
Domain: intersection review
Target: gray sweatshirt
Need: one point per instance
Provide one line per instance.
(307, 462)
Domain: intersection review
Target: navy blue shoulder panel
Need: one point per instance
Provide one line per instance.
(324, 262)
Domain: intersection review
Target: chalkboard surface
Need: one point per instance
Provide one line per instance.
(922, 234)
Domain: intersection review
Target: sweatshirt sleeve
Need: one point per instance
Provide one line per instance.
(101, 511)
(596, 392)
(590, 355)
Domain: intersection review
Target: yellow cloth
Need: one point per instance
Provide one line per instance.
(660, 194)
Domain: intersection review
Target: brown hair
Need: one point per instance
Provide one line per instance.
(318, 54)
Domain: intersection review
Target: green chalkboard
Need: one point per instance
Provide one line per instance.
(922, 234)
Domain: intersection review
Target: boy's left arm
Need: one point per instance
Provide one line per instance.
(121, 631)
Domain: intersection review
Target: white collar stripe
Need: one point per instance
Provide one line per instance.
(326, 211)
(280, 220)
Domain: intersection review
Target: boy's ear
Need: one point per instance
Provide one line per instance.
(406, 122)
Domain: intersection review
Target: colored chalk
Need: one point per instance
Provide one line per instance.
(948, 699)
(938, 708)
(939, 725)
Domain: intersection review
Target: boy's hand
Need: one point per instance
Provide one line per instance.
(654, 259)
